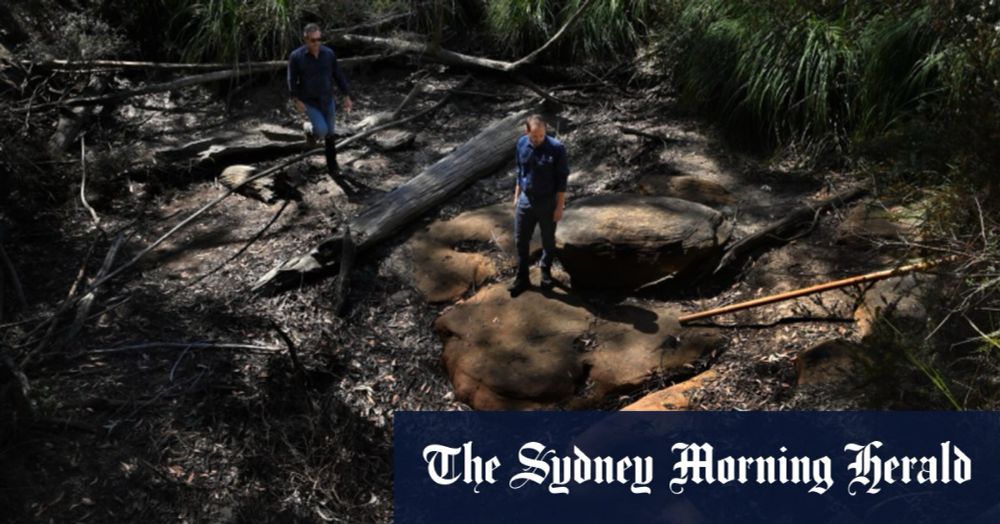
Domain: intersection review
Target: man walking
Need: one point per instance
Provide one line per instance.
(539, 197)
(312, 71)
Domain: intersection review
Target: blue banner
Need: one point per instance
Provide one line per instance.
(697, 467)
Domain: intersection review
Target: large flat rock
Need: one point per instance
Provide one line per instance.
(446, 259)
(624, 241)
(551, 349)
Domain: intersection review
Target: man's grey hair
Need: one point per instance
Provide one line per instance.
(310, 28)
(534, 120)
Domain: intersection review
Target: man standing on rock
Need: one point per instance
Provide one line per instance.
(312, 71)
(539, 197)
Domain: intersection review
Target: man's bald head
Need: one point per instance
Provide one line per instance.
(535, 128)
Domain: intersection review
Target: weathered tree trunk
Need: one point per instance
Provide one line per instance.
(777, 233)
(482, 155)
(215, 76)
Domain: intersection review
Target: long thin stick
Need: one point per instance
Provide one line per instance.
(188, 345)
(83, 182)
(780, 297)
(572, 19)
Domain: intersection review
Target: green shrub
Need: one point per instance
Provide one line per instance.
(801, 71)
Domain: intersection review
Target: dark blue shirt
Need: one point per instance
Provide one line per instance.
(310, 78)
(542, 170)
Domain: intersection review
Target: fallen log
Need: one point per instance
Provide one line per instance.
(445, 56)
(778, 232)
(187, 81)
(124, 65)
(480, 156)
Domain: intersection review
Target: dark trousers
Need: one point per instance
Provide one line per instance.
(532, 211)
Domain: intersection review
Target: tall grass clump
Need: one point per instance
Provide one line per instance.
(801, 71)
(233, 30)
(608, 28)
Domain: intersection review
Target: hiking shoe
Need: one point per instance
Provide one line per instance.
(547, 281)
(518, 286)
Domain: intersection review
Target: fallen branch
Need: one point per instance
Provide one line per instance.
(119, 65)
(260, 67)
(534, 54)
(83, 308)
(445, 56)
(294, 354)
(788, 295)
(83, 183)
(246, 246)
(182, 345)
(777, 232)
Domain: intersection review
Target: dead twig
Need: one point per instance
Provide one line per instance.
(83, 182)
(53, 321)
(183, 345)
(294, 355)
(83, 309)
(245, 247)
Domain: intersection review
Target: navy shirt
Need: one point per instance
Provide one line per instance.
(542, 170)
(310, 78)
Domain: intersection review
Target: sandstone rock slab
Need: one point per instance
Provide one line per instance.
(552, 349)
(624, 241)
(673, 398)
(447, 258)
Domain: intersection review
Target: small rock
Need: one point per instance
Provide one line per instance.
(829, 362)
(901, 301)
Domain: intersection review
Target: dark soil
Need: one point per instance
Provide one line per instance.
(179, 429)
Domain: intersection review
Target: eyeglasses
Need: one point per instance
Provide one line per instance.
(312, 40)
